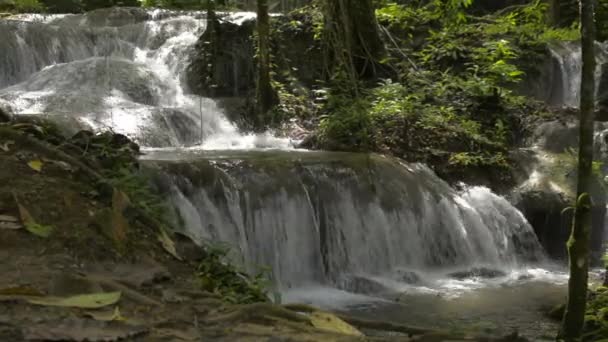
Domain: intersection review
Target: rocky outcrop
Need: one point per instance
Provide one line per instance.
(222, 61)
(548, 184)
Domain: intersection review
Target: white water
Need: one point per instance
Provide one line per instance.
(122, 70)
(325, 221)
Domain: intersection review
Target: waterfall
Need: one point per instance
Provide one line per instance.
(569, 59)
(314, 217)
(119, 68)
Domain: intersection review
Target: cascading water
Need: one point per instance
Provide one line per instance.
(359, 223)
(117, 68)
(569, 59)
(316, 218)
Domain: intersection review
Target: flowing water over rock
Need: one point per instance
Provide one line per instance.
(367, 234)
(314, 217)
(116, 68)
(568, 57)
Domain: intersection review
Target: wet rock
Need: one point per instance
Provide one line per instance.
(63, 285)
(187, 249)
(361, 285)
(111, 16)
(226, 69)
(142, 274)
(557, 312)
(4, 116)
(408, 277)
(477, 272)
(557, 136)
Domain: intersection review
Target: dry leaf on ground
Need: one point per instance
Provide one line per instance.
(87, 301)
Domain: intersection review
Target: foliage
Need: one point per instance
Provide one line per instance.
(596, 315)
(218, 276)
(28, 6)
(451, 94)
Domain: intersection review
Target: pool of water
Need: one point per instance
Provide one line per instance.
(495, 307)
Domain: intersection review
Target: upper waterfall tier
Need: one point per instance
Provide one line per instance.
(315, 216)
(569, 63)
(120, 68)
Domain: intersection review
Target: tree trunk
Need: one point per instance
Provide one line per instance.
(352, 37)
(578, 244)
(265, 96)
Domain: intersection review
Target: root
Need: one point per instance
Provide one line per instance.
(257, 312)
(129, 293)
(365, 324)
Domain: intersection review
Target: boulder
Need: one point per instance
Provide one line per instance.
(222, 61)
(477, 272)
(408, 277)
(361, 285)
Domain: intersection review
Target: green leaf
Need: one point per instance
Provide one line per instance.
(87, 301)
(39, 229)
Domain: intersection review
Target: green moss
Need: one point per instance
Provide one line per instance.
(218, 276)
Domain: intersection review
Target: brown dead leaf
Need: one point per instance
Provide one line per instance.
(30, 224)
(83, 330)
(26, 217)
(168, 244)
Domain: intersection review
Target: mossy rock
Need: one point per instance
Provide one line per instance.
(557, 313)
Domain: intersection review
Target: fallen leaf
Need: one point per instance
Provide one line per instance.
(40, 230)
(82, 330)
(106, 316)
(87, 301)
(26, 217)
(329, 322)
(35, 165)
(168, 244)
(30, 224)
